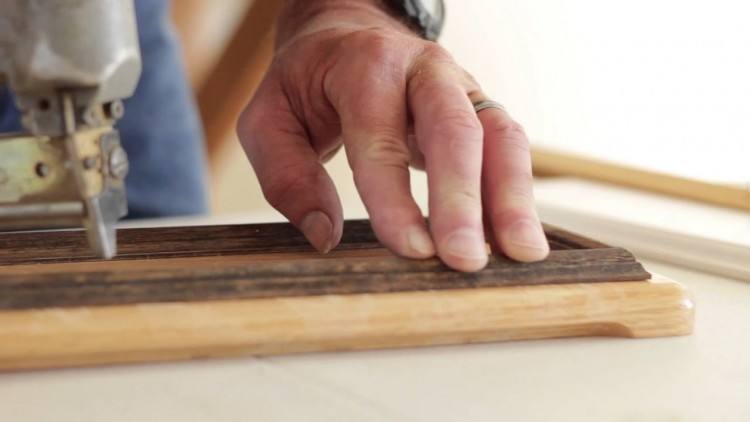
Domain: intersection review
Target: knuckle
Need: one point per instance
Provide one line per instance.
(378, 46)
(251, 125)
(471, 82)
(430, 82)
(432, 67)
(244, 125)
(280, 189)
(377, 60)
(434, 52)
(511, 134)
(459, 124)
(513, 213)
(388, 150)
(385, 153)
(463, 199)
(519, 143)
(508, 127)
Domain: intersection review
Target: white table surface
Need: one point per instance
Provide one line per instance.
(703, 377)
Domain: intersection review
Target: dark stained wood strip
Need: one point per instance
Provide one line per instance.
(563, 239)
(306, 277)
(172, 242)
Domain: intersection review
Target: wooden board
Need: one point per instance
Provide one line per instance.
(555, 163)
(180, 293)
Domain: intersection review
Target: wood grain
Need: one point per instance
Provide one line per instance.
(173, 242)
(33, 339)
(184, 264)
(39, 287)
(194, 292)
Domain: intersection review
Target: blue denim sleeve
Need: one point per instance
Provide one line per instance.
(161, 130)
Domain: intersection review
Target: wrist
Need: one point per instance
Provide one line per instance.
(302, 17)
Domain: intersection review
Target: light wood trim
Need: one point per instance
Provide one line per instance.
(158, 332)
(554, 163)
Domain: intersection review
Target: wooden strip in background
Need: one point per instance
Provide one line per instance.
(232, 82)
(172, 242)
(554, 163)
(42, 288)
(48, 338)
(204, 28)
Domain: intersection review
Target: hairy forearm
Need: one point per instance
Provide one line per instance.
(300, 17)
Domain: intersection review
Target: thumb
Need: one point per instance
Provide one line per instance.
(289, 171)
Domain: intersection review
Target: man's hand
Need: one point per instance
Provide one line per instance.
(346, 72)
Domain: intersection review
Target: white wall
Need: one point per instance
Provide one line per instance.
(661, 84)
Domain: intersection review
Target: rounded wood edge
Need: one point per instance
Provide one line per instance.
(673, 304)
(180, 331)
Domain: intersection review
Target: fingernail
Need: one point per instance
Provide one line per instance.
(466, 244)
(318, 229)
(420, 242)
(529, 235)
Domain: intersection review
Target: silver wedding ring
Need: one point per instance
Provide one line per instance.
(483, 105)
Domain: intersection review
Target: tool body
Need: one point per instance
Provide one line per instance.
(69, 64)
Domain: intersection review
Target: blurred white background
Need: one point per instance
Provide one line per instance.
(660, 84)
